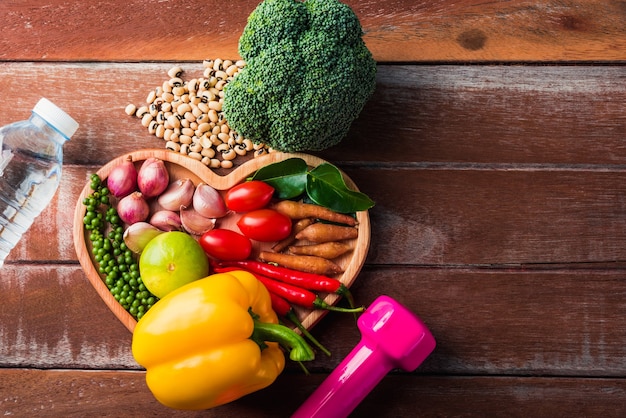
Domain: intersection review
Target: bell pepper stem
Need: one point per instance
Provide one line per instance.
(299, 349)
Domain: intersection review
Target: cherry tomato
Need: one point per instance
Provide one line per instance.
(225, 244)
(248, 196)
(265, 225)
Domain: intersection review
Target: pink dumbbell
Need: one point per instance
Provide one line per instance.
(391, 337)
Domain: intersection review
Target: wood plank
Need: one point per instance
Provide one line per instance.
(399, 31)
(456, 216)
(90, 393)
(506, 115)
(498, 322)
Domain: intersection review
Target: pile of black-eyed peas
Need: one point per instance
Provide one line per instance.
(187, 115)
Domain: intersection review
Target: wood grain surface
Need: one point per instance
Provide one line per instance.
(493, 147)
(395, 31)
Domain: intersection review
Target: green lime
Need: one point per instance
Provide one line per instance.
(171, 260)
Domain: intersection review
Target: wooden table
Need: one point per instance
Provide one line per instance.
(493, 147)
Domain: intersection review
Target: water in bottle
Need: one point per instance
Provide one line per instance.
(30, 169)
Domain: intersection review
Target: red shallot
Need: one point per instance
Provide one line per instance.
(122, 179)
(133, 208)
(153, 177)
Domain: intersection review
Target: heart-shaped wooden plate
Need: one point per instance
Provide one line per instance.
(181, 166)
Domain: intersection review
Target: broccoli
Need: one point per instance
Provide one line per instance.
(308, 75)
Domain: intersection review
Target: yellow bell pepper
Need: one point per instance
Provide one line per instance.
(213, 341)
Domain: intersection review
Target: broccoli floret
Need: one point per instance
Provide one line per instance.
(308, 75)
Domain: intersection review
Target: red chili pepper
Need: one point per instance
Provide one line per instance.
(284, 309)
(294, 294)
(309, 281)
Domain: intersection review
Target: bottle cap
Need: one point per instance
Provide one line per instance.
(56, 117)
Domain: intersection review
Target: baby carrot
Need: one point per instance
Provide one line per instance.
(299, 210)
(328, 250)
(321, 232)
(306, 263)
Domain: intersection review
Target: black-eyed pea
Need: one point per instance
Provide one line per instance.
(151, 96)
(257, 146)
(175, 136)
(161, 118)
(193, 125)
(187, 131)
(240, 149)
(175, 82)
(207, 63)
(205, 85)
(175, 72)
(167, 134)
(174, 121)
(140, 113)
(216, 129)
(184, 139)
(195, 145)
(190, 117)
(130, 109)
(160, 131)
(166, 106)
(220, 84)
(166, 87)
(224, 137)
(178, 91)
(183, 108)
(231, 70)
(224, 128)
(248, 144)
(203, 127)
(215, 105)
(154, 109)
(208, 152)
(185, 98)
(240, 63)
(193, 99)
(167, 97)
(184, 149)
(192, 85)
(205, 160)
(217, 64)
(226, 164)
(215, 163)
(222, 147)
(146, 119)
(152, 127)
(184, 123)
(229, 140)
(172, 146)
(229, 154)
(259, 152)
(221, 75)
(203, 107)
(195, 155)
(213, 117)
(215, 90)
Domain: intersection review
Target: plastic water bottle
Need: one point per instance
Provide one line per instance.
(30, 169)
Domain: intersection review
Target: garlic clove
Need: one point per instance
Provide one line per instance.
(137, 236)
(208, 202)
(178, 193)
(194, 223)
(166, 220)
